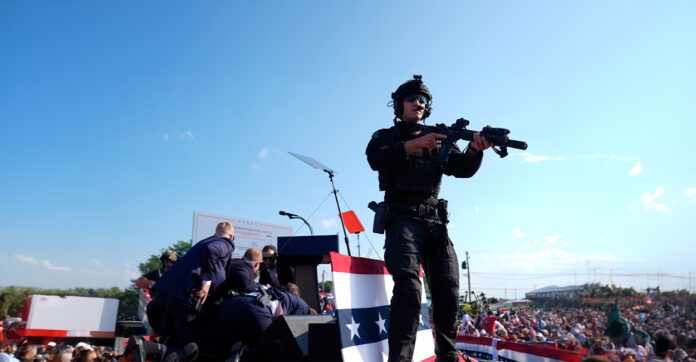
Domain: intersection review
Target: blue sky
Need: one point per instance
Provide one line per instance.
(120, 119)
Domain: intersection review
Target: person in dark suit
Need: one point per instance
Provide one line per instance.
(244, 318)
(240, 277)
(200, 272)
(275, 272)
(241, 318)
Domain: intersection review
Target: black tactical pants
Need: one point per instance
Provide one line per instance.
(412, 242)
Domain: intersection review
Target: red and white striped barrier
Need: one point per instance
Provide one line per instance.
(499, 350)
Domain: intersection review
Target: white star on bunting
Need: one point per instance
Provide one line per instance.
(353, 328)
(380, 322)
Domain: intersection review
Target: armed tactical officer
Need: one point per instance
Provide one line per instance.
(416, 232)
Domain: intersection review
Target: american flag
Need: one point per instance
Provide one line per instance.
(363, 289)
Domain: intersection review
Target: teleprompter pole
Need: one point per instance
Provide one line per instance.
(314, 163)
(340, 214)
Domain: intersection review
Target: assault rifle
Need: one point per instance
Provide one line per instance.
(458, 131)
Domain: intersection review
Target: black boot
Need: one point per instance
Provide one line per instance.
(236, 352)
(186, 354)
(147, 350)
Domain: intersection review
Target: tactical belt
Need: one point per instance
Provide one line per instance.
(413, 210)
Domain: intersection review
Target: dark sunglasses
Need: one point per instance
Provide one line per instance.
(268, 258)
(416, 96)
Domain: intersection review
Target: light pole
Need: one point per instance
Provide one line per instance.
(466, 266)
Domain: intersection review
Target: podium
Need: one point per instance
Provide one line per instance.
(304, 253)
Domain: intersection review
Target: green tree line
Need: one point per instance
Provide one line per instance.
(13, 298)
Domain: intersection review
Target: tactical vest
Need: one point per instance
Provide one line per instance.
(420, 172)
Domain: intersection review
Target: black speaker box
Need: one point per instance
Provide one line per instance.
(291, 337)
(324, 342)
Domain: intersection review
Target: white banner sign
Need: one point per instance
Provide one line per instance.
(247, 233)
(79, 316)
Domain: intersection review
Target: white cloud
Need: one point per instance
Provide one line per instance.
(532, 245)
(254, 166)
(181, 135)
(263, 154)
(690, 193)
(650, 200)
(551, 239)
(26, 259)
(636, 169)
(630, 208)
(529, 158)
(96, 261)
(476, 209)
(328, 223)
(51, 267)
(518, 234)
(132, 275)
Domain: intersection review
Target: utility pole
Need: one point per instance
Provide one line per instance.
(468, 275)
(611, 277)
(659, 279)
(358, 235)
(594, 272)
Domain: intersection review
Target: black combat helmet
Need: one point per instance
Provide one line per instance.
(412, 86)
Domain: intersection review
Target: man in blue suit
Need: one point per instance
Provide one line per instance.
(188, 282)
(244, 318)
(242, 272)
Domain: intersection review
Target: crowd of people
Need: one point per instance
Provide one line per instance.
(58, 352)
(639, 330)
